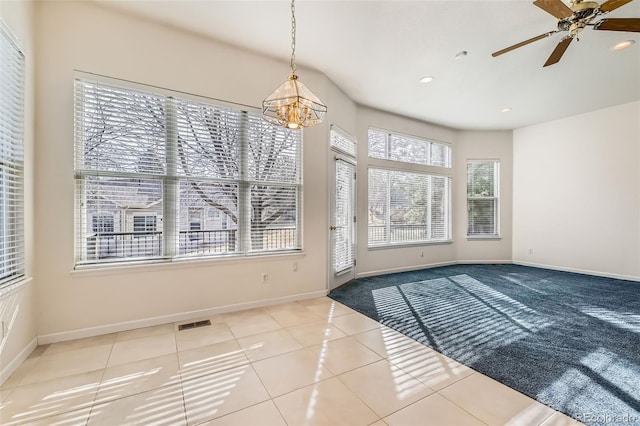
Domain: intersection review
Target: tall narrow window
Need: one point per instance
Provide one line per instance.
(483, 177)
(181, 177)
(11, 160)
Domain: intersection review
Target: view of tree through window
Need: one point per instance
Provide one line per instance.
(142, 156)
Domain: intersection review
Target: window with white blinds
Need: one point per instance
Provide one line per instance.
(342, 141)
(407, 207)
(11, 160)
(161, 177)
(482, 197)
(408, 149)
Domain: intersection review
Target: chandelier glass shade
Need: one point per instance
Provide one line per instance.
(293, 105)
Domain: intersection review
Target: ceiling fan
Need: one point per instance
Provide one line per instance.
(575, 18)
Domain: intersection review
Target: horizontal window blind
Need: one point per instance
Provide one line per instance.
(406, 207)
(180, 177)
(390, 146)
(482, 197)
(342, 141)
(11, 160)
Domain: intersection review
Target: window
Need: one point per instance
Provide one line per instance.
(407, 207)
(482, 197)
(408, 149)
(156, 159)
(144, 224)
(11, 160)
(103, 224)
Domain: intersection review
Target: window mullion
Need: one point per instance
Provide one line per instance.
(244, 187)
(170, 185)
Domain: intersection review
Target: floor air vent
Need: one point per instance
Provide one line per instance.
(194, 325)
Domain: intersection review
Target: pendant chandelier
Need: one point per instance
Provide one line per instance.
(292, 104)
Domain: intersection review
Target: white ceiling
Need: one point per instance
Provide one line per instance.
(377, 50)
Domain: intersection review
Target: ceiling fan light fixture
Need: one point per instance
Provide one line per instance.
(293, 105)
(623, 45)
(426, 79)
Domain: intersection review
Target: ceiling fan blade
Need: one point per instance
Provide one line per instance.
(610, 5)
(522, 43)
(619, 24)
(557, 53)
(555, 7)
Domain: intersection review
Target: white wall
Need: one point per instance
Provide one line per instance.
(577, 193)
(17, 303)
(82, 36)
(477, 145)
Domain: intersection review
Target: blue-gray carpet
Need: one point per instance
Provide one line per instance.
(570, 341)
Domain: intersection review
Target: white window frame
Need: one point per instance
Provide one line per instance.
(430, 143)
(12, 68)
(495, 199)
(166, 220)
(419, 169)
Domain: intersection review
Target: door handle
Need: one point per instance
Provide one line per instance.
(333, 228)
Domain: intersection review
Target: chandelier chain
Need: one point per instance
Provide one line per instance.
(293, 37)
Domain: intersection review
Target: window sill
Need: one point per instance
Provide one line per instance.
(410, 244)
(483, 237)
(184, 262)
(12, 287)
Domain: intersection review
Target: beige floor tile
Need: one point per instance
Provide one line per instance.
(56, 348)
(384, 387)
(26, 404)
(560, 419)
(285, 307)
(128, 379)
(326, 403)
(430, 367)
(315, 333)
(215, 395)
(202, 336)
(379, 423)
(291, 371)
(17, 376)
(432, 410)
(71, 418)
(68, 363)
(343, 355)
(385, 341)
(494, 403)
(254, 323)
(329, 310)
(263, 414)
(211, 359)
(324, 300)
(145, 332)
(288, 318)
(162, 406)
(266, 345)
(355, 323)
(131, 350)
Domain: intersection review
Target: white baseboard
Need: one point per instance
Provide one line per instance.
(403, 269)
(578, 271)
(12, 366)
(484, 262)
(45, 339)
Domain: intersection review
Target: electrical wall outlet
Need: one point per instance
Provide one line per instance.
(530, 251)
(295, 266)
(265, 278)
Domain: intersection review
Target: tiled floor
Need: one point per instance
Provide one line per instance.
(314, 362)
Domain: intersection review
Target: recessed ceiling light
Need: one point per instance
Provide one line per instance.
(426, 79)
(505, 110)
(461, 55)
(623, 45)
